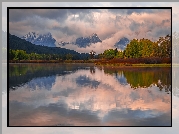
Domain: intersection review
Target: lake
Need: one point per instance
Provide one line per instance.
(88, 95)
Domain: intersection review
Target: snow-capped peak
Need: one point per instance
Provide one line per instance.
(40, 39)
(30, 35)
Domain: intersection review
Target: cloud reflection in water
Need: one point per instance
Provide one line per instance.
(86, 98)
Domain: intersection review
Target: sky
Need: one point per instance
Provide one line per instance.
(109, 24)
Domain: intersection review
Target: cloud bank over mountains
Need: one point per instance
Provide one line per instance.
(66, 25)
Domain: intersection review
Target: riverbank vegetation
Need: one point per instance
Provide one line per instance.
(137, 52)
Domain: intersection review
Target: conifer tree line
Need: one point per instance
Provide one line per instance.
(20, 49)
(137, 48)
(22, 55)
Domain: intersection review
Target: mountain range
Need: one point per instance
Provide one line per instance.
(87, 41)
(16, 43)
(40, 39)
(82, 42)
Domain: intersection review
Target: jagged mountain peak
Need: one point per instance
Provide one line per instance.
(87, 41)
(30, 35)
(94, 34)
(122, 43)
(45, 39)
(84, 41)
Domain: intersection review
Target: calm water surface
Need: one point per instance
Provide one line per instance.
(85, 95)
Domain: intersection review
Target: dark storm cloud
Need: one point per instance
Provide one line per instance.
(59, 14)
(165, 21)
(134, 26)
(110, 25)
(151, 25)
(138, 11)
(85, 11)
(65, 30)
(23, 21)
(18, 15)
(21, 14)
(33, 24)
(159, 32)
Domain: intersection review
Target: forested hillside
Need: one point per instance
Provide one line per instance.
(20, 49)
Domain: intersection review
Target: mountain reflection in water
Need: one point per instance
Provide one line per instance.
(84, 95)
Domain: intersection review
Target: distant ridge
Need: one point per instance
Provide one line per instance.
(17, 43)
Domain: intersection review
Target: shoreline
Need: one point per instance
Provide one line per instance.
(137, 65)
(112, 65)
(51, 61)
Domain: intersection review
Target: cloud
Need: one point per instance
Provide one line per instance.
(110, 25)
(134, 26)
(137, 11)
(161, 32)
(21, 14)
(58, 14)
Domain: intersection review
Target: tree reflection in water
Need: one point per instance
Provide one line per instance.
(143, 77)
(72, 94)
(92, 70)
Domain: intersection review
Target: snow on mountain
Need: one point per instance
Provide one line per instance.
(122, 43)
(40, 39)
(87, 41)
(84, 41)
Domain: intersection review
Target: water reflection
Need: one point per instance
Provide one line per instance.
(143, 77)
(86, 81)
(120, 77)
(23, 73)
(92, 70)
(86, 95)
(42, 83)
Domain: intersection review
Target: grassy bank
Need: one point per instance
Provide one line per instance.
(134, 65)
(35, 61)
(96, 62)
(135, 62)
(152, 65)
(51, 61)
